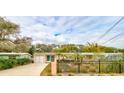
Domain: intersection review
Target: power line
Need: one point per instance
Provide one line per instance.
(113, 37)
(103, 35)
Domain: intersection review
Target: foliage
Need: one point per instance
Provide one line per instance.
(67, 48)
(9, 63)
(123, 56)
(89, 47)
(94, 47)
(7, 46)
(43, 48)
(32, 50)
(77, 57)
(114, 67)
(22, 44)
(7, 28)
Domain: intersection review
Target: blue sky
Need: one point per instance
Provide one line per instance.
(70, 29)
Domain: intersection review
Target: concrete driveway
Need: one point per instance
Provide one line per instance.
(33, 69)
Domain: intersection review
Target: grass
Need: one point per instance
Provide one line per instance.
(106, 69)
(46, 71)
(90, 74)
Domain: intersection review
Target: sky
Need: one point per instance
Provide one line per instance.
(70, 29)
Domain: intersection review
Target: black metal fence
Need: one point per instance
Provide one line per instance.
(80, 66)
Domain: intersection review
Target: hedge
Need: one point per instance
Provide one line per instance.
(9, 63)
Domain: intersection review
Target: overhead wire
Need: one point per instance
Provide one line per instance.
(103, 35)
(113, 37)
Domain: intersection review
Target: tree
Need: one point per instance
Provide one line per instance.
(43, 48)
(32, 50)
(67, 48)
(94, 47)
(6, 46)
(22, 44)
(7, 29)
(91, 47)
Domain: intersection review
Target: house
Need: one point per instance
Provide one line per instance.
(14, 55)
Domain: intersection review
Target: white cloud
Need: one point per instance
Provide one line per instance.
(82, 29)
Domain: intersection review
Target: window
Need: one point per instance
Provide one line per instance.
(50, 58)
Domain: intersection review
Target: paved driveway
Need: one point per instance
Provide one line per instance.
(33, 69)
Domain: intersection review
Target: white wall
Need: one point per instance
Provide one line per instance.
(39, 59)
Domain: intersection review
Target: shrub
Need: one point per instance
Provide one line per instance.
(23, 61)
(6, 63)
(112, 68)
(9, 63)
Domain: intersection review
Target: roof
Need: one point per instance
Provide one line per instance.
(13, 53)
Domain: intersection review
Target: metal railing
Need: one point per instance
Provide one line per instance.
(81, 66)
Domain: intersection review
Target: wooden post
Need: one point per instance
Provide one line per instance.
(54, 67)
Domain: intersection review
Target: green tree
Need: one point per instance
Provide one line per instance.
(22, 44)
(67, 48)
(6, 46)
(32, 50)
(43, 48)
(7, 29)
(91, 47)
(94, 47)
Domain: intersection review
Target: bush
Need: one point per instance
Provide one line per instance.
(23, 61)
(112, 68)
(5, 64)
(9, 63)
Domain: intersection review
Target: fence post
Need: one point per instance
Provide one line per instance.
(78, 67)
(99, 66)
(58, 66)
(119, 67)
